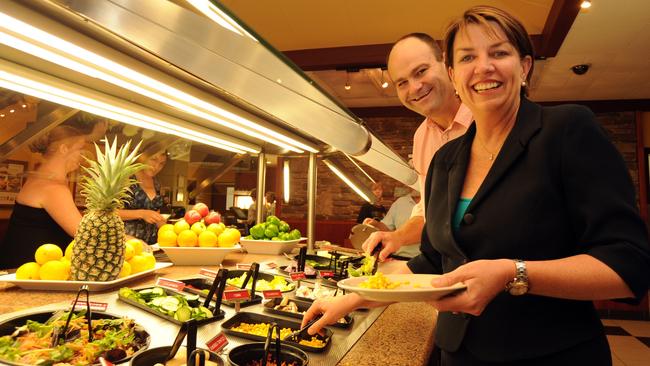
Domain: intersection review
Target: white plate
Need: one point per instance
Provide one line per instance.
(74, 285)
(269, 246)
(194, 256)
(422, 291)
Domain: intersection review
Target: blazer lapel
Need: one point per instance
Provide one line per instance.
(529, 119)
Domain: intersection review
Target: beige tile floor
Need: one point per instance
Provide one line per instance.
(628, 350)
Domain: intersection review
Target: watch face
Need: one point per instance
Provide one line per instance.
(518, 288)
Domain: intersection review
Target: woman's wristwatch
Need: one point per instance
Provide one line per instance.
(519, 285)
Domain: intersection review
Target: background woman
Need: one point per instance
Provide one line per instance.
(374, 211)
(141, 213)
(543, 217)
(44, 211)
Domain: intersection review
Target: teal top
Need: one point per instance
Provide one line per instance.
(460, 212)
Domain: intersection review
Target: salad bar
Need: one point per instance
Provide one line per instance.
(160, 311)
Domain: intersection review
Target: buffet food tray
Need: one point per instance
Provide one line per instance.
(302, 307)
(93, 286)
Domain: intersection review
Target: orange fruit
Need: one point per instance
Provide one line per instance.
(136, 244)
(68, 250)
(126, 270)
(138, 263)
(208, 239)
(187, 238)
(28, 271)
(229, 237)
(48, 252)
(167, 238)
(54, 271)
(181, 225)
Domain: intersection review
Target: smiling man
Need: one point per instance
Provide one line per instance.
(416, 67)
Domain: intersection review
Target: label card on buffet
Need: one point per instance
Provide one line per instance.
(217, 343)
(295, 276)
(95, 306)
(271, 265)
(236, 295)
(244, 266)
(325, 274)
(271, 294)
(208, 273)
(170, 284)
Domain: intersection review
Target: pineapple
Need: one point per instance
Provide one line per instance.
(98, 252)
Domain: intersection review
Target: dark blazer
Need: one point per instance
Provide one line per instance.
(557, 188)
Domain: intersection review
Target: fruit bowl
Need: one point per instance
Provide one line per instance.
(194, 256)
(269, 246)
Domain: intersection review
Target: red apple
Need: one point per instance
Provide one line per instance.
(212, 218)
(201, 208)
(192, 216)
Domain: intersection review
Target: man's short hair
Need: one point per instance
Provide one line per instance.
(437, 52)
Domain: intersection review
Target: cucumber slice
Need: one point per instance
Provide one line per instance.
(158, 291)
(170, 303)
(191, 298)
(157, 301)
(183, 314)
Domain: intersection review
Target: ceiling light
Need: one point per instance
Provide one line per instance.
(286, 174)
(356, 186)
(92, 104)
(2, 115)
(220, 17)
(12, 110)
(586, 4)
(44, 45)
(347, 81)
(384, 83)
(24, 105)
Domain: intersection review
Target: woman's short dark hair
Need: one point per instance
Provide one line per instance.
(482, 15)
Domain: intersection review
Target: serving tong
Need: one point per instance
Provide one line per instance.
(189, 330)
(57, 332)
(218, 286)
(267, 344)
(375, 253)
(295, 335)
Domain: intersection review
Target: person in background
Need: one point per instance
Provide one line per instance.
(44, 211)
(416, 68)
(373, 210)
(269, 207)
(542, 216)
(141, 212)
(398, 213)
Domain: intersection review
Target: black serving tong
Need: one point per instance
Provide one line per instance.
(218, 286)
(267, 344)
(375, 253)
(188, 329)
(295, 336)
(253, 271)
(56, 334)
(302, 258)
(192, 359)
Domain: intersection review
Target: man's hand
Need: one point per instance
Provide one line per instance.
(377, 224)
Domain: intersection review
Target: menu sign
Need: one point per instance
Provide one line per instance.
(271, 294)
(208, 273)
(325, 274)
(96, 306)
(170, 284)
(295, 276)
(244, 266)
(236, 295)
(217, 343)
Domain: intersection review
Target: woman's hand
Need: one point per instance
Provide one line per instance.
(484, 280)
(332, 308)
(151, 217)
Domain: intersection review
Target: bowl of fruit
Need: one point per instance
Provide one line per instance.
(274, 236)
(200, 238)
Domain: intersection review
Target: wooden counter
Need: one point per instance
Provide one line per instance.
(402, 335)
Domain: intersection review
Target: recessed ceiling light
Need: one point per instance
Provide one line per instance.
(586, 4)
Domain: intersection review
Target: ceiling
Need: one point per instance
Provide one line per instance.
(326, 38)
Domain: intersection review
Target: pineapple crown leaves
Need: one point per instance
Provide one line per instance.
(107, 180)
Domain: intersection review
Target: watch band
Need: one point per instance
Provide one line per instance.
(519, 285)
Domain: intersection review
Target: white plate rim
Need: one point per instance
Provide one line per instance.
(400, 294)
(253, 241)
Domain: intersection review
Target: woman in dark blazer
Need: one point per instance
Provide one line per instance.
(533, 209)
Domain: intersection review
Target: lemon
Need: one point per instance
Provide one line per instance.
(137, 245)
(28, 271)
(187, 238)
(165, 228)
(167, 238)
(198, 227)
(208, 239)
(229, 237)
(138, 263)
(217, 228)
(150, 261)
(180, 226)
(126, 270)
(68, 266)
(48, 252)
(54, 270)
(68, 250)
(129, 251)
